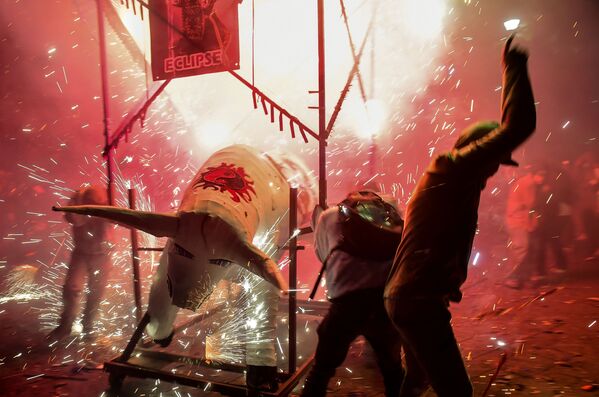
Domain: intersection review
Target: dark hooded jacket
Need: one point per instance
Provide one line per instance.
(441, 217)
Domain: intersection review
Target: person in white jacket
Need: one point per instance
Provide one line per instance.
(89, 259)
(355, 285)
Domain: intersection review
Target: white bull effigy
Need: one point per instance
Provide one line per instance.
(239, 196)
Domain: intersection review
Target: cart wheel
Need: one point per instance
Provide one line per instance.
(115, 381)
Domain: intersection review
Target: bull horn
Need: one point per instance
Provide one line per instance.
(159, 225)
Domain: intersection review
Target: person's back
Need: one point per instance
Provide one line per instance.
(355, 288)
(345, 273)
(439, 228)
(442, 213)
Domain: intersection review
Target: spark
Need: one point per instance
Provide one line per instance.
(475, 261)
(64, 72)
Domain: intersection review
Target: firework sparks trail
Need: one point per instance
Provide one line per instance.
(426, 111)
(115, 314)
(241, 321)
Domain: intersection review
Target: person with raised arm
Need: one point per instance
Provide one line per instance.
(441, 219)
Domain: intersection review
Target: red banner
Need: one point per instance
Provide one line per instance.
(191, 37)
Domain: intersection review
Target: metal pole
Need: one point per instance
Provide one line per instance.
(292, 280)
(322, 114)
(135, 257)
(105, 97)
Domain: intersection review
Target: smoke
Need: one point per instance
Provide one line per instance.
(399, 57)
(429, 69)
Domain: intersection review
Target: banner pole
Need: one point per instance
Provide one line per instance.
(322, 114)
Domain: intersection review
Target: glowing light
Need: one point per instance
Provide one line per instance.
(511, 24)
(424, 18)
(369, 118)
(252, 323)
(476, 257)
(21, 297)
(242, 319)
(77, 327)
(212, 135)
(21, 287)
(408, 34)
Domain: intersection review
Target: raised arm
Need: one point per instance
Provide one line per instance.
(518, 115)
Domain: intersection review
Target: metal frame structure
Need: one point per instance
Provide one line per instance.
(128, 363)
(324, 129)
(140, 365)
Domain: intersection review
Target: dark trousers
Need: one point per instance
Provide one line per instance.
(590, 222)
(96, 268)
(426, 332)
(358, 313)
(541, 240)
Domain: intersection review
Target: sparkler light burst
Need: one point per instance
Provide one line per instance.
(42, 285)
(20, 286)
(245, 320)
(241, 320)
